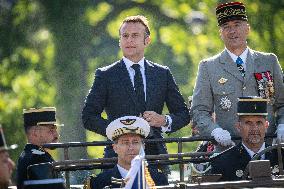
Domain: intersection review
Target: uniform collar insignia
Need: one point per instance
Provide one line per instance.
(222, 80)
(37, 152)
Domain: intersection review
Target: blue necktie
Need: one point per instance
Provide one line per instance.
(240, 66)
(135, 184)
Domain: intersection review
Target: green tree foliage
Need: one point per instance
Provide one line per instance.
(26, 56)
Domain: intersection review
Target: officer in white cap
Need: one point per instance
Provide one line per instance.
(127, 133)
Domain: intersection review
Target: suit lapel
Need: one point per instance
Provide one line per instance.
(126, 82)
(229, 65)
(116, 173)
(150, 79)
(250, 65)
(243, 156)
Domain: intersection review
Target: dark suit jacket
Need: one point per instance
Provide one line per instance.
(232, 163)
(31, 155)
(113, 92)
(104, 179)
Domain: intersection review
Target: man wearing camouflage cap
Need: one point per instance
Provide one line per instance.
(127, 133)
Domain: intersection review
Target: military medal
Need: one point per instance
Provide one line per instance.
(222, 80)
(225, 103)
(265, 85)
(239, 173)
(275, 169)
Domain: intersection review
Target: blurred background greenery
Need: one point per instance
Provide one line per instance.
(49, 50)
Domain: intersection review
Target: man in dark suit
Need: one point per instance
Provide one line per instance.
(40, 128)
(252, 126)
(135, 86)
(127, 133)
(6, 164)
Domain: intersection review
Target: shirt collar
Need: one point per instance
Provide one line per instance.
(251, 153)
(129, 63)
(243, 56)
(123, 172)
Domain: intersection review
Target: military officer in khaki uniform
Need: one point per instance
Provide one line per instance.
(236, 72)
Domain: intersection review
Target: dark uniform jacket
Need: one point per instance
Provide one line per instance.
(104, 179)
(232, 163)
(32, 154)
(113, 92)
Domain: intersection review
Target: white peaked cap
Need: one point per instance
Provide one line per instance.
(127, 124)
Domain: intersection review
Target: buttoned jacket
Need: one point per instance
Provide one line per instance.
(219, 84)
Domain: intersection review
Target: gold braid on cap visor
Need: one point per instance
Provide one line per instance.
(125, 130)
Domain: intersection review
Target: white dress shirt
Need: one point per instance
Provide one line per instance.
(251, 153)
(123, 172)
(243, 56)
(131, 72)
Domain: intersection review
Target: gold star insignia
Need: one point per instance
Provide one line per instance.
(222, 80)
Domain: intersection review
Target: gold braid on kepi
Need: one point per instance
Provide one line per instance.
(148, 178)
(231, 11)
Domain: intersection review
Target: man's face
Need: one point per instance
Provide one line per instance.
(133, 40)
(234, 34)
(6, 168)
(127, 147)
(252, 130)
(47, 134)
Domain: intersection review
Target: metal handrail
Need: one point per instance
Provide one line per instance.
(179, 140)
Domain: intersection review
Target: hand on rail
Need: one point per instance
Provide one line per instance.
(223, 137)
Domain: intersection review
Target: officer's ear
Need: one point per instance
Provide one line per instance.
(147, 40)
(266, 124)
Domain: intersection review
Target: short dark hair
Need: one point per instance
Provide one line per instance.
(137, 19)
